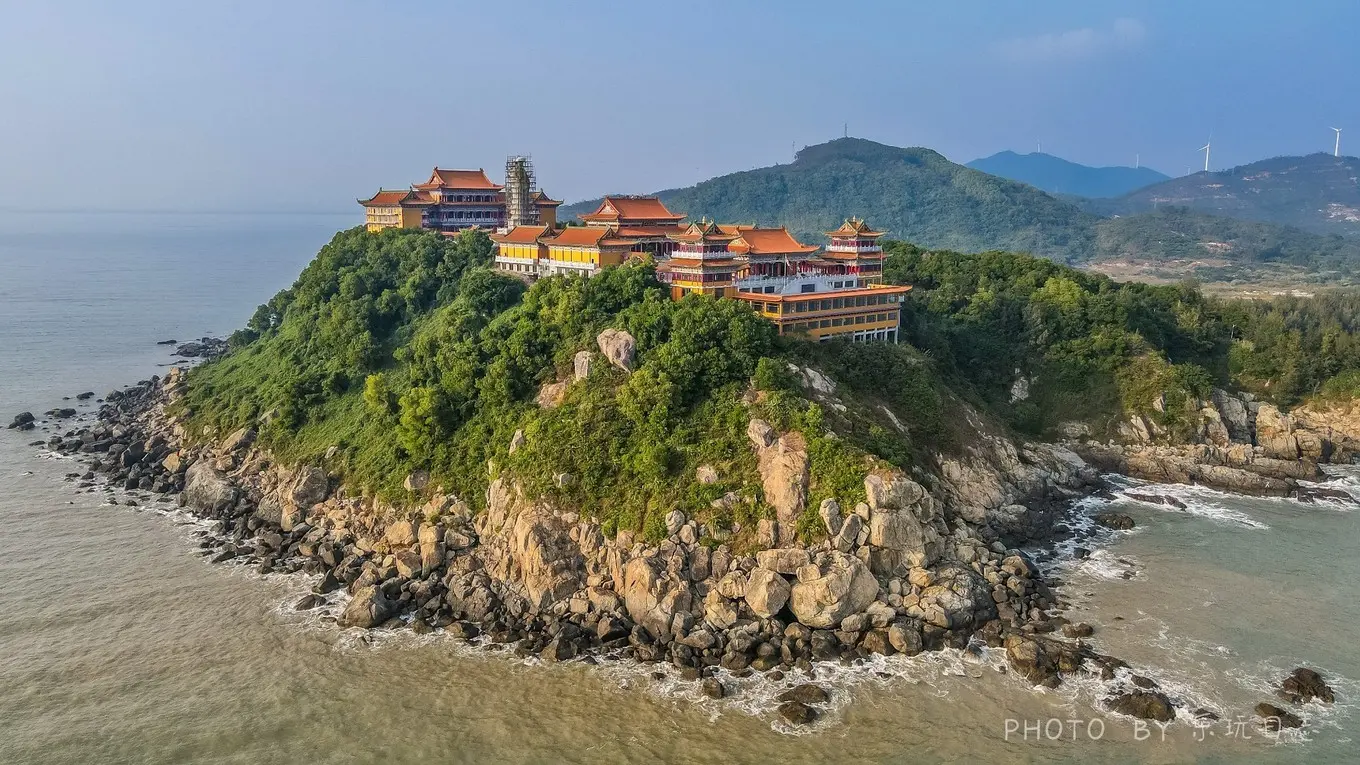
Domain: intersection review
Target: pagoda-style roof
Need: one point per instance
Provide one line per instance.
(520, 235)
(855, 227)
(705, 230)
(621, 209)
(543, 200)
(460, 180)
(588, 236)
(396, 198)
(768, 241)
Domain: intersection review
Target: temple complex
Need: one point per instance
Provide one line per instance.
(816, 292)
(452, 200)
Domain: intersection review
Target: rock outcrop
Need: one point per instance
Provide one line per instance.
(618, 346)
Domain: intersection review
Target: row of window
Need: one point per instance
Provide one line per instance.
(804, 326)
(829, 304)
(468, 197)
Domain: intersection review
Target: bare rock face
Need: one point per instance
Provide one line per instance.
(653, 597)
(297, 492)
(580, 365)
(241, 439)
(369, 608)
(766, 592)
(1233, 413)
(1275, 433)
(783, 463)
(900, 534)
(831, 589)
(958, 597)
(551, 395)
(544, 557)
(783, 560)
(431, 539)
(207, 488)
(618, 346)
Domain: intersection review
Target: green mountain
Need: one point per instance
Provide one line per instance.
(919, 196)
(1318, 193)
(1059, 176)
(915, 194)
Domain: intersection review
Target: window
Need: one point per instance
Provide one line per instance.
(859, 301)
(836, 322)
(808, 288)
(859, 319)
(838, 303)
(826, 305)
(824, 323)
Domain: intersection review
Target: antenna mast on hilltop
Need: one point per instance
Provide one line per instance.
(1337, 151)
(1205, 149)
(845, 130)
(1137, 161)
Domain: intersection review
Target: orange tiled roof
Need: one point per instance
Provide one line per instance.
(768, 241)
(635, 208)
(458, 179)
(386, 198)
(588, 236)
(855, 227)
(520, 235)
(641, 232)
(543, 200)
(706, 231)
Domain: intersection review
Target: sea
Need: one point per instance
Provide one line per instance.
(119, 643)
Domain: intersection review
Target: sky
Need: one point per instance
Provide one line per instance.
(306, 105)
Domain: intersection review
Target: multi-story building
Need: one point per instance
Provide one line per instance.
(643, 220)
(822, 307)
(450, 201)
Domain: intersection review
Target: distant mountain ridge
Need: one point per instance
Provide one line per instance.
(917, 195)
(1056, 175)
(1317, 193)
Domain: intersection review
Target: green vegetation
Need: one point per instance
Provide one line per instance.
(1316, 193)
(919, 196)
(1095, 349)
(401, 351)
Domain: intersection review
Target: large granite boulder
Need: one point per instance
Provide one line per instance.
(831, 589)
(206, 488)
(766, 592)
(369, 608)
(783, 465)
(618, 346)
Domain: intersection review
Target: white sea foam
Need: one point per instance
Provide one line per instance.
(1199, 501)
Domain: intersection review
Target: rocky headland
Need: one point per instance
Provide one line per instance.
(921, 565)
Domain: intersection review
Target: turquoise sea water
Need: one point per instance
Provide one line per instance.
(118, 644)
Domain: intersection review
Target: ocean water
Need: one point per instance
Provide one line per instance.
(118, 644)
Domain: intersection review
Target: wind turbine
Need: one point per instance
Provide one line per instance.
(1205, 149)
(1337, 151)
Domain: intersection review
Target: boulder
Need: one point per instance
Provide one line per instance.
(1275, 718)
(517, 441)
(431, 539)
(580, 365)
(1118, 521)
(848, 535)
(959, 597)
(797, 713)
(651, 598)
(831, 589)
(22, 421)
(206, 488)
(551, 395)
(783, 560)
(706, 475)
(719, 611)
(241, 439)
(830, 513)
(905, 637)
(1304, 685)
(807, 693)
(543, 558)
(1143, 704)
(369, 608)
(618, 346)
(416, 481)
(766, 592)
(783, 465)
(1232, 411)
(401, 534)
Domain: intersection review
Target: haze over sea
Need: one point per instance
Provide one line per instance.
(118, 643)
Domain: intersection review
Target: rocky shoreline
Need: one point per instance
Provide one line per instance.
(904, 572)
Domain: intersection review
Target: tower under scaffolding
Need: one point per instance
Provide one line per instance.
(520, 189)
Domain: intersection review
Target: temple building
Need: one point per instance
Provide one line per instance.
(643, 220)
(854, 250)
(702, 261)
(532, 252)
(452, 200)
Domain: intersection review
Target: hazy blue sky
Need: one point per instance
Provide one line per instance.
(307, 104)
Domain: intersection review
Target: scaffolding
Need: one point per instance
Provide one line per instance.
(520, 189)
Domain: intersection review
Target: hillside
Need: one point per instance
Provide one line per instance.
(919, 196)
(915, 194)
(402, 351)
(1317, 193)
(1056, 175)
